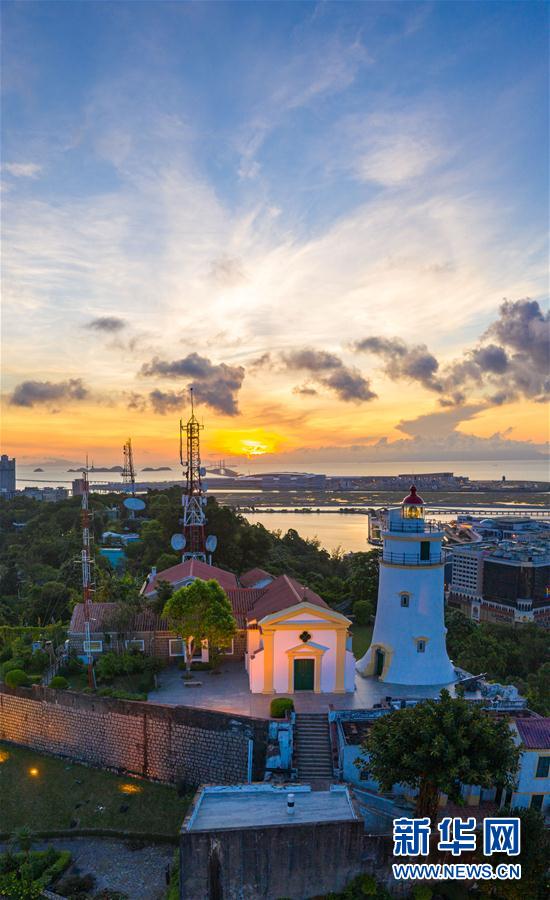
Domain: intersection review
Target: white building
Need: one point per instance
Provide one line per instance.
(408, 641)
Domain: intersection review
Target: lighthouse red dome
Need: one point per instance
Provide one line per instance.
(413, 499)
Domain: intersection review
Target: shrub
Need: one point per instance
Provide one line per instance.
(75, 884)
(39, 662)
(279, 707)
(108, 666)
(35, 679)
(17, 678)
(59, 683)
(127, 695)
(14, 663)
(71, 667)
(362, 610)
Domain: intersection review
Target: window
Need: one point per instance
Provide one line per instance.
(138, 644)
(176, 647)
(536, 801)
(405, 598)
(420, 646)
(229, 651)
(424, 550)
(93, 646)
(543, 767)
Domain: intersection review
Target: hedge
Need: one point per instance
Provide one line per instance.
(59, 683)
(280, 706)
(16, 678)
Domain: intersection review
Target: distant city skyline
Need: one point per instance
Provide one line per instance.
(329, 219)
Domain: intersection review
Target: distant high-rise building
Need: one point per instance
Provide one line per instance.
(7, 475)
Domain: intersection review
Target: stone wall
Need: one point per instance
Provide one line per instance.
(164, 743)
(293, 861)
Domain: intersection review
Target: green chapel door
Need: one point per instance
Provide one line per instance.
(304, 674)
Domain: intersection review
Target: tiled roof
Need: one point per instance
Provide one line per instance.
(242, 600)
(281, 594)
(101, 613)
(248, 604)
(249, 579)
(192, 568)
(534, 733)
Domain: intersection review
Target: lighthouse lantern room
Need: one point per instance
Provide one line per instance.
(408, 641)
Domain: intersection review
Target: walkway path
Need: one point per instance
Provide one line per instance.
(228, 691)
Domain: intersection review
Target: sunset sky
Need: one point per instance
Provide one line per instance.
(330, 219)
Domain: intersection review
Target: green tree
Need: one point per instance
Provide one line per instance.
(164, 591)
(538, 690)
(435, 747)
(201, 612)
(535, 852)
(362, 610)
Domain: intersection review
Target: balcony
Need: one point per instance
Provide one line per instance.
(412, 559)
(409, 526)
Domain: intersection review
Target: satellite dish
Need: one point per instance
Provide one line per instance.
(202, 471)
(134, 503)
(211, 543)
(177, 542)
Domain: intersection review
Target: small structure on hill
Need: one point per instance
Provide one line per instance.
(288, 638)
(258, 840)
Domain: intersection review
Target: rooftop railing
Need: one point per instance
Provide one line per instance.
(411, 526)
(412, 559)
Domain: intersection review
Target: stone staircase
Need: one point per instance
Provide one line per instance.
(312, 753)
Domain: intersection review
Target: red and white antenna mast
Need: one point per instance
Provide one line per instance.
(129, 472)
(194, 499)
(87, 572)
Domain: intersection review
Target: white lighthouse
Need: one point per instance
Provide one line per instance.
(408, 641)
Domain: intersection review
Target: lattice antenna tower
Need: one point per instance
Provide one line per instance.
(87, 587)
(129, 472)
(194, 499)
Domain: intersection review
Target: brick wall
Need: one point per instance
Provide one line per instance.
(159, 742)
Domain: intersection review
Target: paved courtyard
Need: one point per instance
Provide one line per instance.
(228, 690)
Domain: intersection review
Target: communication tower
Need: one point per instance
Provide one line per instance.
(194, 499)
(128, 472)
(87, 573)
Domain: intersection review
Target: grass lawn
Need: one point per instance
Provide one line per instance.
(361, 638)
(60, 792)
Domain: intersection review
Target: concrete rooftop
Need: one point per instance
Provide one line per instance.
(258, 806)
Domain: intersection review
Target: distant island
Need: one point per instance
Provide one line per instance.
(38, 470)
(98, 469)
(158, 469)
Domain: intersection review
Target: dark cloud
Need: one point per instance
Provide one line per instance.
(328, 370)
(136, 401)
(31, 393)
(305, 391)
(349, 384)
(165, 401)
(108, 324)
(515, 367)
(524, 328)
(491, 359)
(402, 362)
(312, 360)
(215, 385)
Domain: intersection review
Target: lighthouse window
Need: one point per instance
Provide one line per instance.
(404, 599)
(420, 646)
